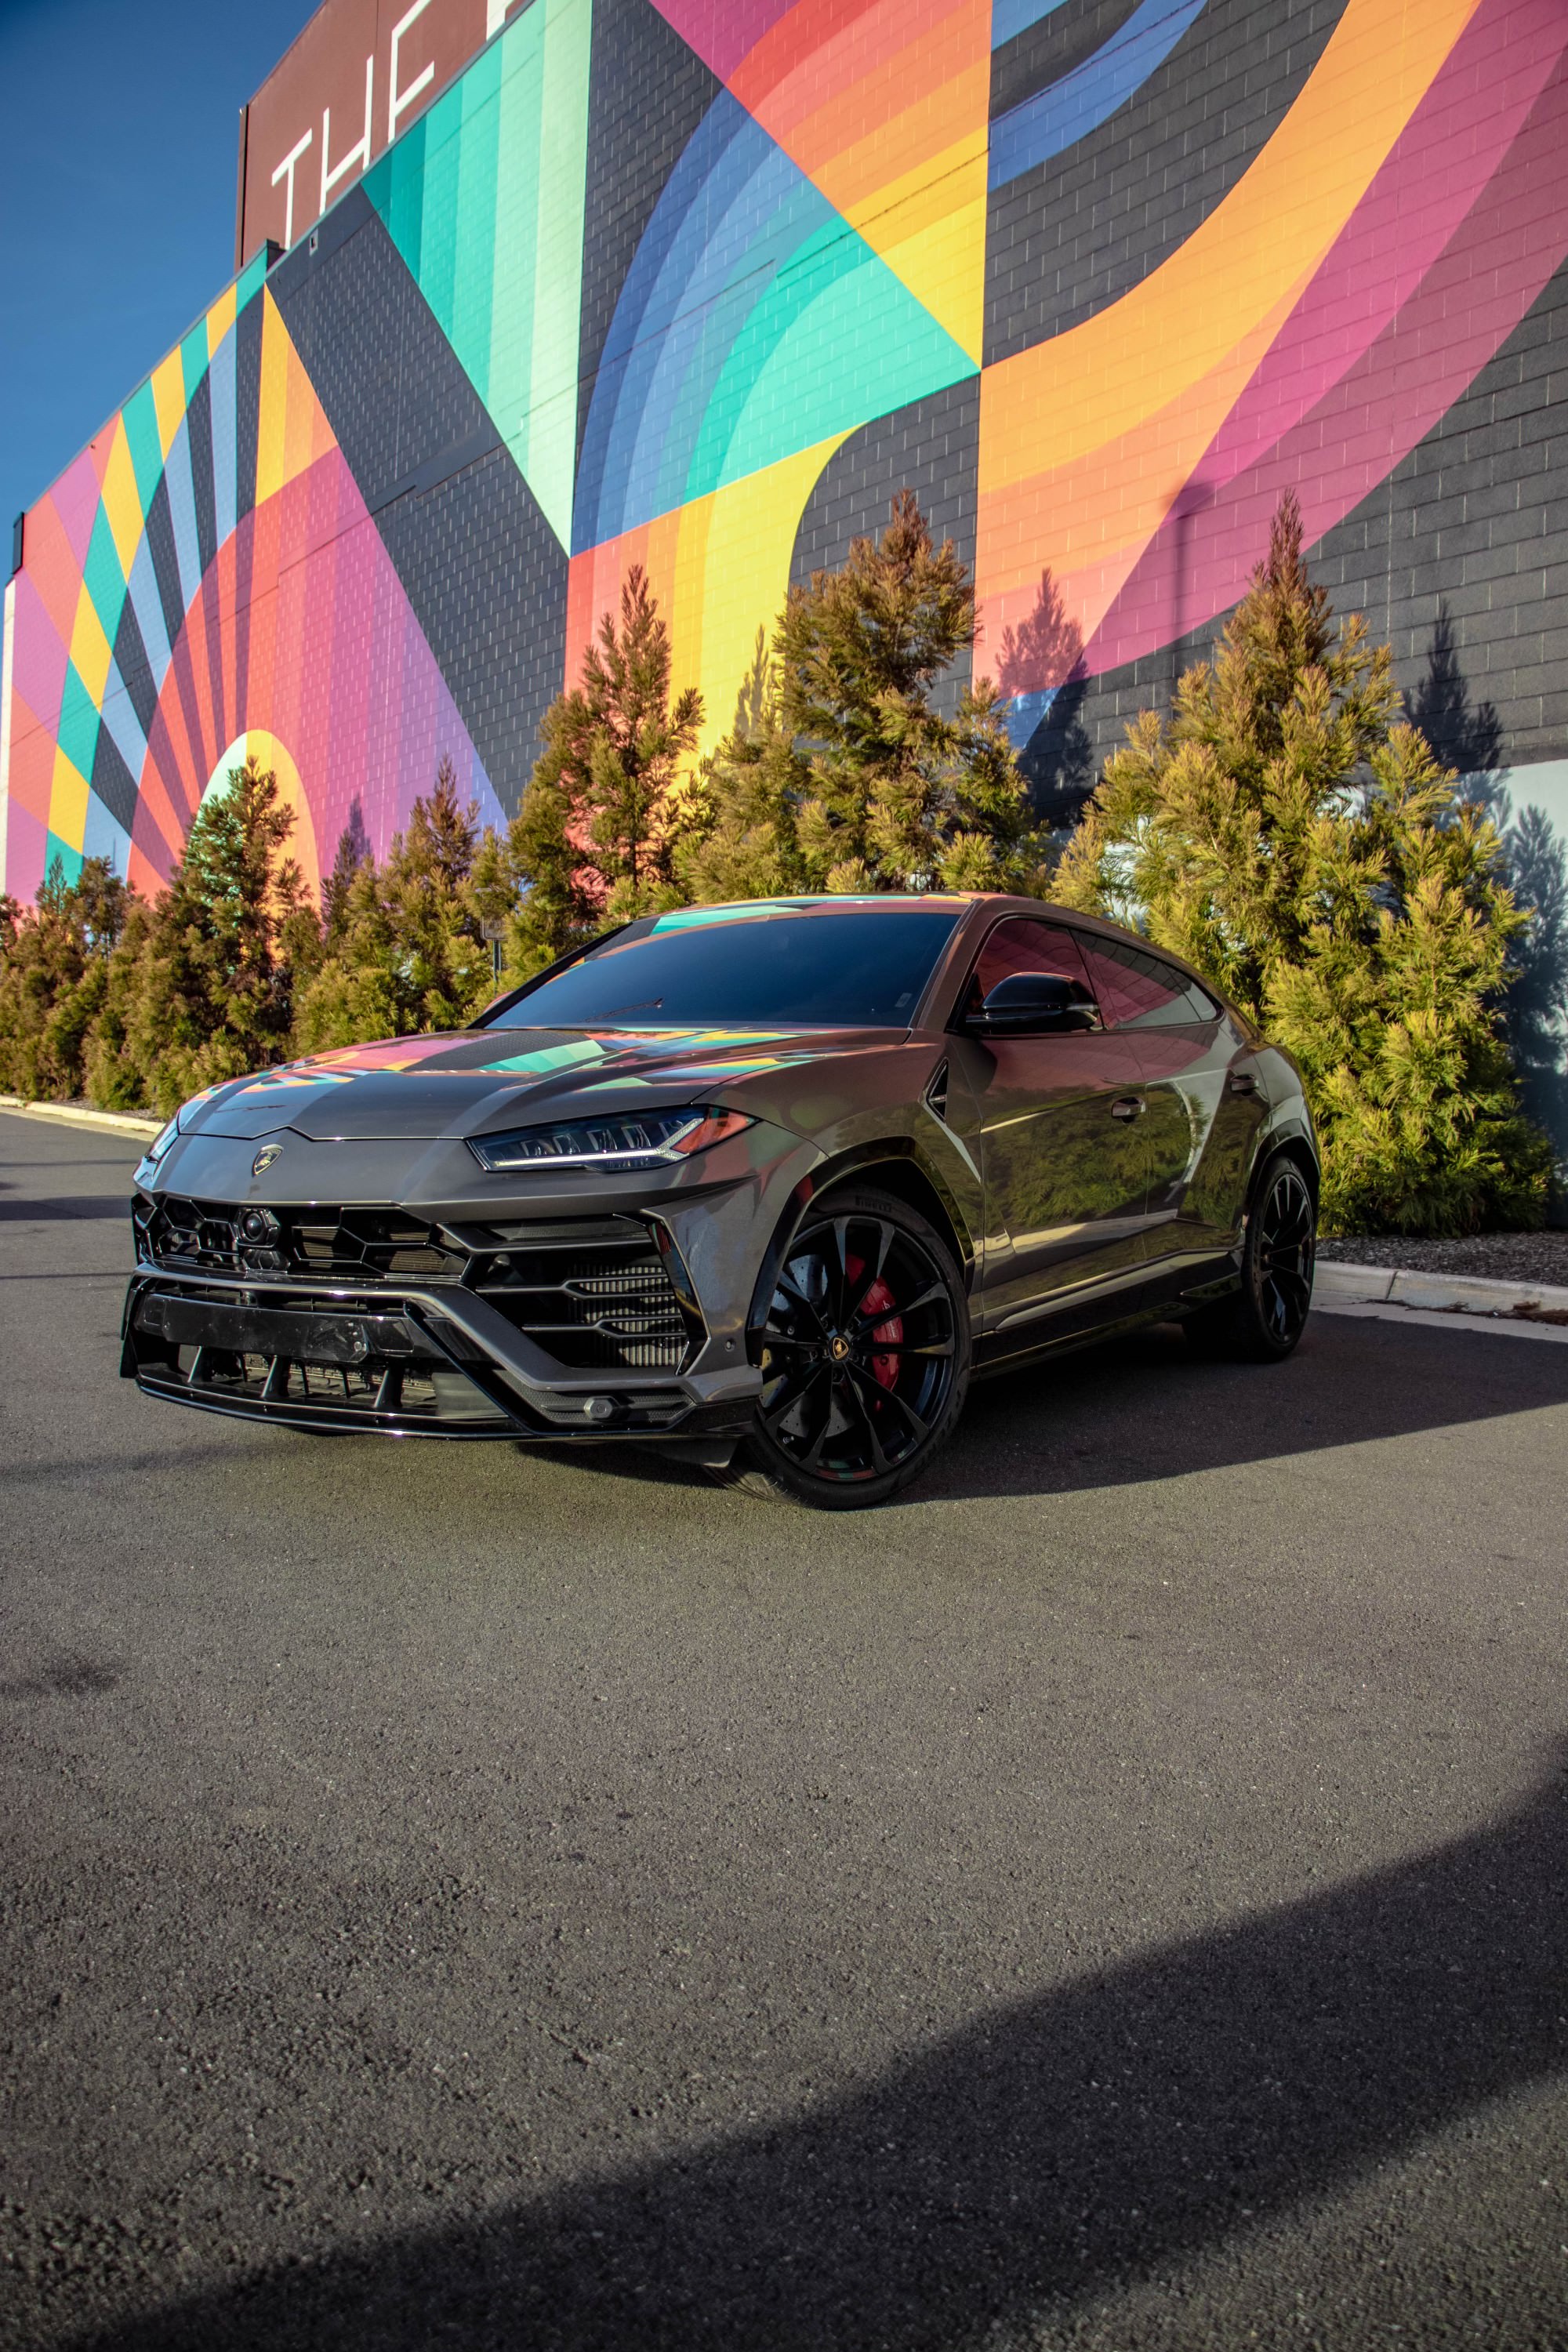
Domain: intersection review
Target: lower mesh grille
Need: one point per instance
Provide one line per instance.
(602, 1305)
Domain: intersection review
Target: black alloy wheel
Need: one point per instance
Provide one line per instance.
(1263, 1321)
(864, 1350)
(1285, 1247)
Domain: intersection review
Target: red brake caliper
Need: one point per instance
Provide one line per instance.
(877, 1300)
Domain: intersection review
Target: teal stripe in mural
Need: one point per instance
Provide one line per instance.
(77, 733)
(483, 197)
(141, 438)
(101, 575)
(194, 359)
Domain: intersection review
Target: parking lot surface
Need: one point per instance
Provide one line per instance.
(1115, 1898)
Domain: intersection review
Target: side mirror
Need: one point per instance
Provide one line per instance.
(1035, 1004)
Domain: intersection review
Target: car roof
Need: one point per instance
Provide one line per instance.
(999, 902)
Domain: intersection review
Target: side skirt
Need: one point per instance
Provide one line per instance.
(1106, 1314)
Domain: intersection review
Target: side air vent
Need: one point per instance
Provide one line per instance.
(936, 1093)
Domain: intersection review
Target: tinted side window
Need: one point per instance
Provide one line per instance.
(1139, 991)
(1021, 944)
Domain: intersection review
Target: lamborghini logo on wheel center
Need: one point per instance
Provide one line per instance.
(838, 1348)
(265, 1157)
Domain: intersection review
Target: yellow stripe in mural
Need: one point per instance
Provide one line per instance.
(929, 226)
(169, 397)
(731, 575)
(272, 423)
(1071, 396)
(90, 648)
(67, 801)
(121, 499)
(220, 319)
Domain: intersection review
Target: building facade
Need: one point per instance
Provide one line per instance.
(528, 293)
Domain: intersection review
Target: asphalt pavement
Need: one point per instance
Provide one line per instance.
(1115, 1898)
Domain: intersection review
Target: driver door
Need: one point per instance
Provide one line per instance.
(1061, 1148)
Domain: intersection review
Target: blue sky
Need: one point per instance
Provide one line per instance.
(117, 186)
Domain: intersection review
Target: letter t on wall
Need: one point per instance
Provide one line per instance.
(286, 166)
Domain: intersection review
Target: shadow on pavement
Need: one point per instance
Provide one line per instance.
(1146, 1408)
(1045, 2154)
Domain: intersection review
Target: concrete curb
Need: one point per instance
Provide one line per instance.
(117, 1122)
(1536, 1310)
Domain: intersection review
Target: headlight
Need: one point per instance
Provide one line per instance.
(617, 1146)
(147, 1168)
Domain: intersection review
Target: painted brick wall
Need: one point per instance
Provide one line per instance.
(701, 285)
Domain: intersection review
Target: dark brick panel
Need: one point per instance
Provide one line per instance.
(482, 569)
(199, 427)
(112, 781)
(248, 421)
(1042, 53)
(932, 447)
(130, 660)
(1072, 235)
(166, 561)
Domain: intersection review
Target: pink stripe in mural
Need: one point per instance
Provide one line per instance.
(1333, 431)
(724, 32)
(336, 667)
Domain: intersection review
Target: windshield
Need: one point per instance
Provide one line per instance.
(850, 966)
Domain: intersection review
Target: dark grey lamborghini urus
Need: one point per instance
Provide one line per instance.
(764, 1185)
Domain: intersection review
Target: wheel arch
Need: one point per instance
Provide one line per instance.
(896, 1166)
(1291, 1145)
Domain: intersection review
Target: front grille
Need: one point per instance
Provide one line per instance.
(594, 1295)
(221, 1237)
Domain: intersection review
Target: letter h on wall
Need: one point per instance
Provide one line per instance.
(360, 152)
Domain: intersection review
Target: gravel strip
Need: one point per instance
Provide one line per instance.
(1502, 1257)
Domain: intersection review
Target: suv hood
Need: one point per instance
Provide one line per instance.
(476, 1081)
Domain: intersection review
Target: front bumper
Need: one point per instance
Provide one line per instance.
(405, 1360)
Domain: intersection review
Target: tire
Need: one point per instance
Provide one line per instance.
(1262, 1322)
(856, 1398)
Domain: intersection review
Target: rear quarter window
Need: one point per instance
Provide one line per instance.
(1138, 990)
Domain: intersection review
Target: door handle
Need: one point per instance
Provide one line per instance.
(1243, 1082)
(1128, 1106)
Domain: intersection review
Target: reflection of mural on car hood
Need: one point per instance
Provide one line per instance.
(457, 1083)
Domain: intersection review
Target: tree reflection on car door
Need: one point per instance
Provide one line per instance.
(1060, 1144)
(1204, 1108)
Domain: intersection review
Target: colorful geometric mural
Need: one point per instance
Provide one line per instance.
(699, 287)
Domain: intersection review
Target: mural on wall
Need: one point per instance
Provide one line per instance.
(696, 286)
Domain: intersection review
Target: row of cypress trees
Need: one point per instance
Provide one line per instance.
(1283, 827)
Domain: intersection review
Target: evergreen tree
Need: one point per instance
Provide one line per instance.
(595, 841)
(405, 951)
(896, 797)
(54, 969)
(204, 989)
(1291, 837)
(353, 851)
(740, 839)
